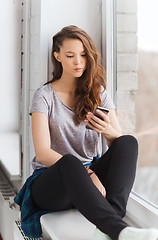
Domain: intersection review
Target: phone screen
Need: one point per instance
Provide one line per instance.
(105, 110)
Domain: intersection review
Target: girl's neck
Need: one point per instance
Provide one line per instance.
(65, 84)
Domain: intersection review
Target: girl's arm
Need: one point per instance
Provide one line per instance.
(109, 126)
(41, 140)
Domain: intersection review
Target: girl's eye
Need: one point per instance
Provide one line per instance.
(83, 55)
(69, 56)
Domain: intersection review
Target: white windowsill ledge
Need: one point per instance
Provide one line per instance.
(71, 223)
(10, 159)
(142, 212)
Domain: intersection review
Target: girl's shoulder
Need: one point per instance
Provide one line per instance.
(44, 91)
(42, 99)
(106, 98)
(104, 94)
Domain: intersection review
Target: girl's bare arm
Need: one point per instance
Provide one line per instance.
(41, 140)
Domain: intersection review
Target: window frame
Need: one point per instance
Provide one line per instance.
(109, 50)
(25, 84)
(140, 211)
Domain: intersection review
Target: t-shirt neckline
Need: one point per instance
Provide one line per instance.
(60, 98)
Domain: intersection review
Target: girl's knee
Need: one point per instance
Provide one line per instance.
(128, 146)
(71, 165)
(127, 140)
(69, 159)
(132, 143)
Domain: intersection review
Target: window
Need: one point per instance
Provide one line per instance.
(136, 102)
(146, 102)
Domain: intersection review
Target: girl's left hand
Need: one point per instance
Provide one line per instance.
(96, 123)
(98, 184)
(109, 126)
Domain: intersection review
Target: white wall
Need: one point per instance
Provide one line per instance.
(10, 65)
(10, 89)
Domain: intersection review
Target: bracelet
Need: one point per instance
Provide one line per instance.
(90, 173)
(87, 168)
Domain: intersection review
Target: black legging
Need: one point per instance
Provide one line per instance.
(66, 185)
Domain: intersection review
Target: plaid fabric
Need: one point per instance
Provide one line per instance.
(30, 214)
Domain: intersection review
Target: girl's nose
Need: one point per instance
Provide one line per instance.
(77, 60)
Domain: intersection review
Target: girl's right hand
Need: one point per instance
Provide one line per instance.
(98, 184)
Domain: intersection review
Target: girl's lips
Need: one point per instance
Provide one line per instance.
(78, 69)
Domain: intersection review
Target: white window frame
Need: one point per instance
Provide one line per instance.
(109, 50)
(25, 89)
(140, 212)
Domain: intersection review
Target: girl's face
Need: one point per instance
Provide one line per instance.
(73, 58)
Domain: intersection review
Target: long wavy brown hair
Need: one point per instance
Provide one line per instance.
(88, 90)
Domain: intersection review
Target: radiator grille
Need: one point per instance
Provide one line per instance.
(7, 193)
(18, 223)
(5, 188)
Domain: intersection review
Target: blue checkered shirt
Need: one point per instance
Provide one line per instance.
(30, 214)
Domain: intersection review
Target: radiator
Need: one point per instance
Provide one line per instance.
(19, 234)
(8, 211)
(10, 224)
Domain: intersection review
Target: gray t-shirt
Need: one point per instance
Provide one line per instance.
(65, 136)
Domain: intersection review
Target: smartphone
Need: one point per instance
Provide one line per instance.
(105, 110)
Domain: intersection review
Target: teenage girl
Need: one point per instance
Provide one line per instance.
(68, 151)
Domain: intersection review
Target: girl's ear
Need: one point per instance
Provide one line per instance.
(57, 56)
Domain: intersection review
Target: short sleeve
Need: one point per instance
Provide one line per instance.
(40, 102)
(107, 100)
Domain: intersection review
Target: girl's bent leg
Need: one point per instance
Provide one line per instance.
(116, 170)
(82, 194)
(49, 192)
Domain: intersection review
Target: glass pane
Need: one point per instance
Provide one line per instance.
(146, 101)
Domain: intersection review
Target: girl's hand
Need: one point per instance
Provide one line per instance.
(96, 123)
(109, 126)
(98, 184)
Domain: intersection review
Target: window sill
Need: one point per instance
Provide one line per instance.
(10, 159)
(142, 212)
